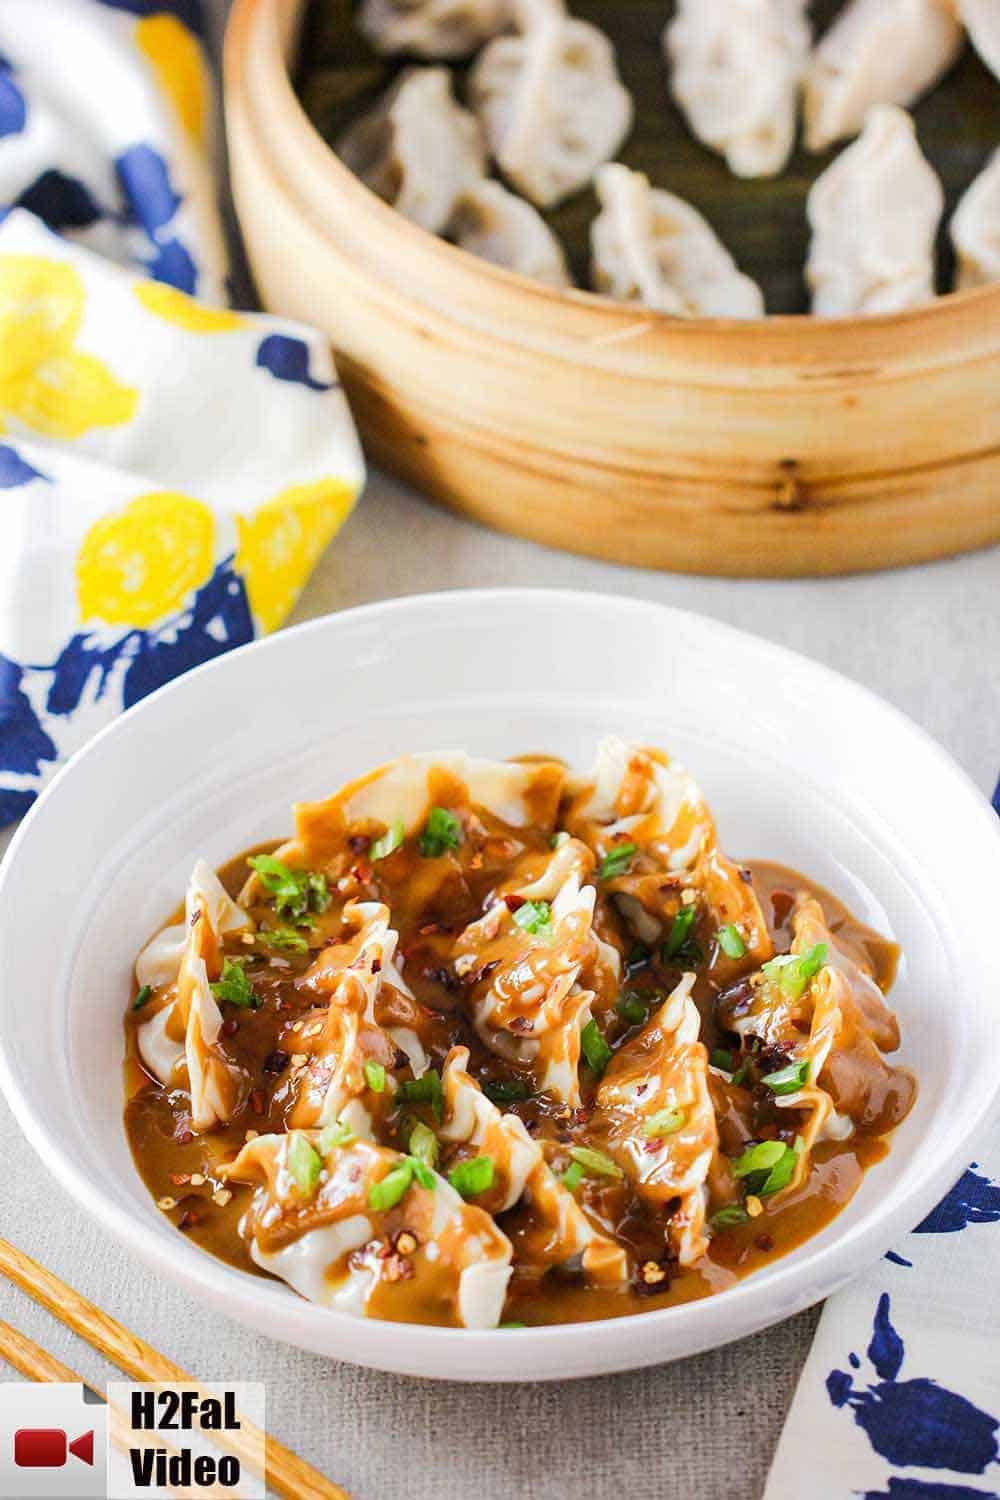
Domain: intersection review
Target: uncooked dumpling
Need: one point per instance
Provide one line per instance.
(649, 246)
(432, 28)
(975, 229)
(551, 104)
(418, 149)
(874, 215)
(982, 22)
(736, 67)
(876, 52)
(499, 226)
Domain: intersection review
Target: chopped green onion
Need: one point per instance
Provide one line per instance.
(740, 1076)
(731, 941)
(726, 1218)
(143, 997)
(442, 832)
(423, 1144)
(631, 1008)
(296, 892)
(664, 1122)
(767, 1167)
(680, 931)
(792, 972)
(721, 1058)
(387, 1192)
(512, 1324)
(572, 1177)
(506, 1090)
(534, 916)
(424, 1090)
(333, 1135)
(304, 1163)
(780, 1174)
(472, 1177)
(758, 1158)
(389, 841)
(283, 938)
(558, 839)
(788, 1080)
(375, 1077)
(616, 861)
(595, 1163)
(234, 988)
(422, 1172)
(595, 1049)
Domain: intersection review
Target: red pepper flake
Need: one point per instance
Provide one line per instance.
(230, 1026)
(184, 1136)
(764, 1242)
(180, 1179)
(188, 1218)
(428, 929)
(376, 966)
(514, 902)
(258, 1101)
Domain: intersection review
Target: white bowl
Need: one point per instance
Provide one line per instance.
(799, 764)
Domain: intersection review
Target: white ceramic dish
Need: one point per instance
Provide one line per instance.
(799, 764)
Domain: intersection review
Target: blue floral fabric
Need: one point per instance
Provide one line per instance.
(170, 470)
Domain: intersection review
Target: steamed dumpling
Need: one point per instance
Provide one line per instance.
(180, 1042)
(975, 229)
(432, 28)
(643, 799)
(982, 22)
(532, 984)
(500, 227)
(357, 977)
(317, 1221)
(417, 148)
(651, 247)
(735, 70)
(874, 215)
(551, 104)
(660, 1077)
(876, 52)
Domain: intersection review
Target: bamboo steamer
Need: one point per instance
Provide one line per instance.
(790, 446)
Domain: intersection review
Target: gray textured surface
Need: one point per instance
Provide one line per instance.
(704, 1429)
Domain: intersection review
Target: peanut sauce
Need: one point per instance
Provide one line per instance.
(429, 908)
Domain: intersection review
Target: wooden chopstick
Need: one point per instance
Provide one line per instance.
(288, 1474)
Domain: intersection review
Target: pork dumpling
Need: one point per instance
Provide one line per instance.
(524, 970)
(432, 28)
(982, 22)
(500, 227)
(180, 1042)
(651, 247)
(365, 1230)
(551, 103)
(735, 70)
(359, 979)
(417, 148)
(876, 52)
(874, 215)
(975, 229)
(404, 791)
(655, 1109)
(646, 819)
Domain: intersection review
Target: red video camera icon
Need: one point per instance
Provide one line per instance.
(48, 1448)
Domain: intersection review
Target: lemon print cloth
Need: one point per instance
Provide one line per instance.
(171, 468)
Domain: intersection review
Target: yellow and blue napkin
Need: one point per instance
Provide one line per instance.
(170, 469)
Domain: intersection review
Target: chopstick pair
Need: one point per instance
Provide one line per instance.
(287, 1474)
